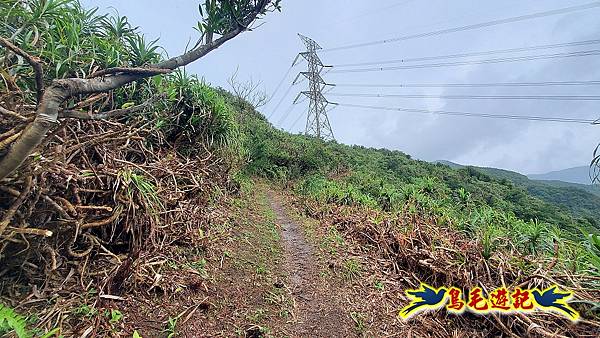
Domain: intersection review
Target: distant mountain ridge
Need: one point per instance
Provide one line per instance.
(579, 175)
(581, 199)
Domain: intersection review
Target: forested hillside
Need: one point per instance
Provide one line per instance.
(385, 179)
(154, 208)
(579, 200)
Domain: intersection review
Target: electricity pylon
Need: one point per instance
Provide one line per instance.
(317, 121)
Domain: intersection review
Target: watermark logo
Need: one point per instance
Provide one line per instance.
(500, 300)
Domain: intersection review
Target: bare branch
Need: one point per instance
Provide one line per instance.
(12, 114)
(69, 113)
(32, 231)
(35, 62)
(15, 206)
(4, 143)
(248, 91)
(125, 70)
(90, 101)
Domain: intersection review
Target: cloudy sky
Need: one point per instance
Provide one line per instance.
(525, 146)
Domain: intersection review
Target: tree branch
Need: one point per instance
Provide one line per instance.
(35, 62)
(12, 114)
(125, 70)
(78, 114)
(15, 206)
(60, 90)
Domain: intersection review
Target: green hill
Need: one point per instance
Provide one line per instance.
(592, 189)
(579, 200)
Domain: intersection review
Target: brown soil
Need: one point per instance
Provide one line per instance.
(318, 313)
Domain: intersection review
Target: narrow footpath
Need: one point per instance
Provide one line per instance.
(317, 312)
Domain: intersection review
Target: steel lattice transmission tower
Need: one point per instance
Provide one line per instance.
(317, 121)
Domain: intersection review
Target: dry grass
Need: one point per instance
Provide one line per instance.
(397, 251)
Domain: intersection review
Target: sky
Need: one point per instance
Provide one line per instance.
(266, 53)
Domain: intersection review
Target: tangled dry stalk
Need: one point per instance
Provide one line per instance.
(404, 249)
(94, 199)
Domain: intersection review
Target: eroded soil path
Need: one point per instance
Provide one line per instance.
(317, 311)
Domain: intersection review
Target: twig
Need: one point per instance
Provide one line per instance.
(94, 207)
(9, 133)
(90, 100)
(67, 205)
(12, 114)
(103, 222)
(11, 191)
(69, 113)
(33, 61)
(85, 252)
(52, 257)
(32, 231)
(58, 208)
(4, 143)
(10, 213)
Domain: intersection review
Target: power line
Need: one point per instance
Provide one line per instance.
(289, 110)
(285, 114)
(287, 92)
(294, 64)
(472, 85)
(364, 14)
(477, 97)
(565, 10)
(280, 84)
(299, 118)
(464, 55)
(474, 62)
(469, 114)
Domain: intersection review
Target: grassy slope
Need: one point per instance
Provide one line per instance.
(383, 178)
(592, 189)
(526, 181)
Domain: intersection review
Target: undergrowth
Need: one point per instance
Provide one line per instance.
(12, 321)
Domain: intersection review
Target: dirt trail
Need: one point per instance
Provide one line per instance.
(317, 313)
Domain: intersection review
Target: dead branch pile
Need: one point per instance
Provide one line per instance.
(403, 249)
(85, 211)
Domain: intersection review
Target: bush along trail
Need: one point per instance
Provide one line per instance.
(138, 201)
